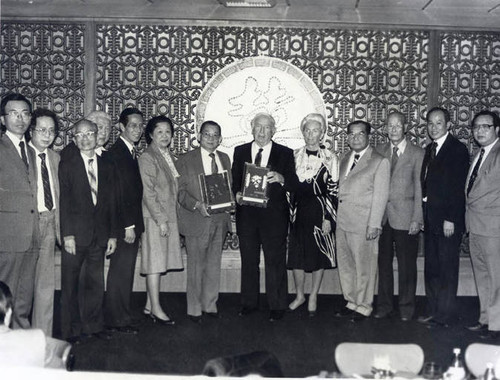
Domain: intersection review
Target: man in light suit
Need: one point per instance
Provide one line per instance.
(204, 233)
(482, 218)
(402, 221)
(363, 193)
(88, 229)
(123, 155)
(264, 227)
(18, 206)
(443, 175)
(43, 131)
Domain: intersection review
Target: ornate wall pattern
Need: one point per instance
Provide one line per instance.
(361, 74)
(470, 78)
(45, 62)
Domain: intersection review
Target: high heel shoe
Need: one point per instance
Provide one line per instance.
(165, 322)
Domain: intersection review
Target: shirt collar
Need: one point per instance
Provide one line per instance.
(16, 140)
(265, 147)
(487, 148)
(360, 153)
(87, 158)
(35, 148)
(401, 146)
(440, 141)
(206, 152)
(128, 144)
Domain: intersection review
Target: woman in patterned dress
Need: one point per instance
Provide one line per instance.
(314, 212)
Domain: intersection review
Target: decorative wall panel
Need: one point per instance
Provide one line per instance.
(45, 62)
(470, 78)
(360, 74)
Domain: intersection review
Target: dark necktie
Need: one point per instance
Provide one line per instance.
(215, 168)
(473, 175)
(258, 157)
(92, 181)
(134, 153)
(356, 158)
(47, 193)
(23, 154)
(427, 163)
(394, 158)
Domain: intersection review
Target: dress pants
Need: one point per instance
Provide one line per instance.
(43, 300)
(204, 254)
(357, 263)
(441, 274)
(120, 283)
(406, 253)
(484, 252)
(17, 270)
(274, 247)
(88, 318)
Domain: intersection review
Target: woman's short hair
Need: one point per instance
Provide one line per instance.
(314, 117)
(153, 124)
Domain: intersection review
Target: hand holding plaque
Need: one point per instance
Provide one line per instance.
(216, 192)
(255, 186)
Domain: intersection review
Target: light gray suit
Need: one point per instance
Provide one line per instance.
(403, 207)
(204, 235)
(363, 194)
(482, 218)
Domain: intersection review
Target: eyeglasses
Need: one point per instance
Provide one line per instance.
(358, 134)
(210, 136)
(484, 127)
(134, 126)
(45, 131)
(15, 113)
(87, 134)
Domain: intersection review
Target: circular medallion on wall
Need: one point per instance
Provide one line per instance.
(239, 91)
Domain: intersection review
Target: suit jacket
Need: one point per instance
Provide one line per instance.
(446, 176)
(18, 201)
(79, 216)
(191, 222)
(482, 214)
(363, 193)
(281, 160)
(159, 201)
(405, 196)
(128, 186)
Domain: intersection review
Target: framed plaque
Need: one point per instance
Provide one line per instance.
(255, 185)
(216, 192)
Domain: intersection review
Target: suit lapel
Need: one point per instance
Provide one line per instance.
(53, 162)
(80, 167)
(363, 162)
(489, 159)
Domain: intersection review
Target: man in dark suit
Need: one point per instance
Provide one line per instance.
(43, 131)
(130, 222)
(443, 175)
(482, 218)
(88, 230)
(18, 206)
(264, 227)
(204, 233)
(402, 221)
(363, 193)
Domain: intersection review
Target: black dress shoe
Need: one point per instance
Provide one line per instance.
(160, 321)
(195, 319)
(103, 335)
(126, 330)
(357, 317)
(245, 310)
(276, 315)
(74, 340)
(212, 314)
(344, 312)
(434, 323)
(477, 327)
(490, 335)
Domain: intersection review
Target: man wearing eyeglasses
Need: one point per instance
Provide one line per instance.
(43, 131)
(443, 175)
(482, 218)
(204, 233)
(89, 231)
(18, 206)
(128, 184)
(363, 193)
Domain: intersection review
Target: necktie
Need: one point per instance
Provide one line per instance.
(23, 154)
(258, 157)
(134, 153)
(215, 169)
(473, 175)
(433, 151)
(356, 158)
(47, 193)
(92, 181)
(430, 158)
(394, 158)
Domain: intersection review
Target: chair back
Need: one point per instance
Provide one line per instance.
(360, 358)
(477, 355)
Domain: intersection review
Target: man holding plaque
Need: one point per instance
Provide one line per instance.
(204, 231)
(263, 223)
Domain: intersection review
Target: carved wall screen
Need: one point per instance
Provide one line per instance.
(45, 62)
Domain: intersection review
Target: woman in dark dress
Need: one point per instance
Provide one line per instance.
(312, 240)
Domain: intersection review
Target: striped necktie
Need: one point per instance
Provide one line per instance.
(23, 154)
(47, 193)
(92, 181)
(215, 168)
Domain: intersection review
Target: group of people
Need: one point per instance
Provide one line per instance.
(353, 213)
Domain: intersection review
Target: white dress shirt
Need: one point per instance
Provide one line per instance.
(16, 140)
(207, 161)
(39, 191)
(266, 152)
